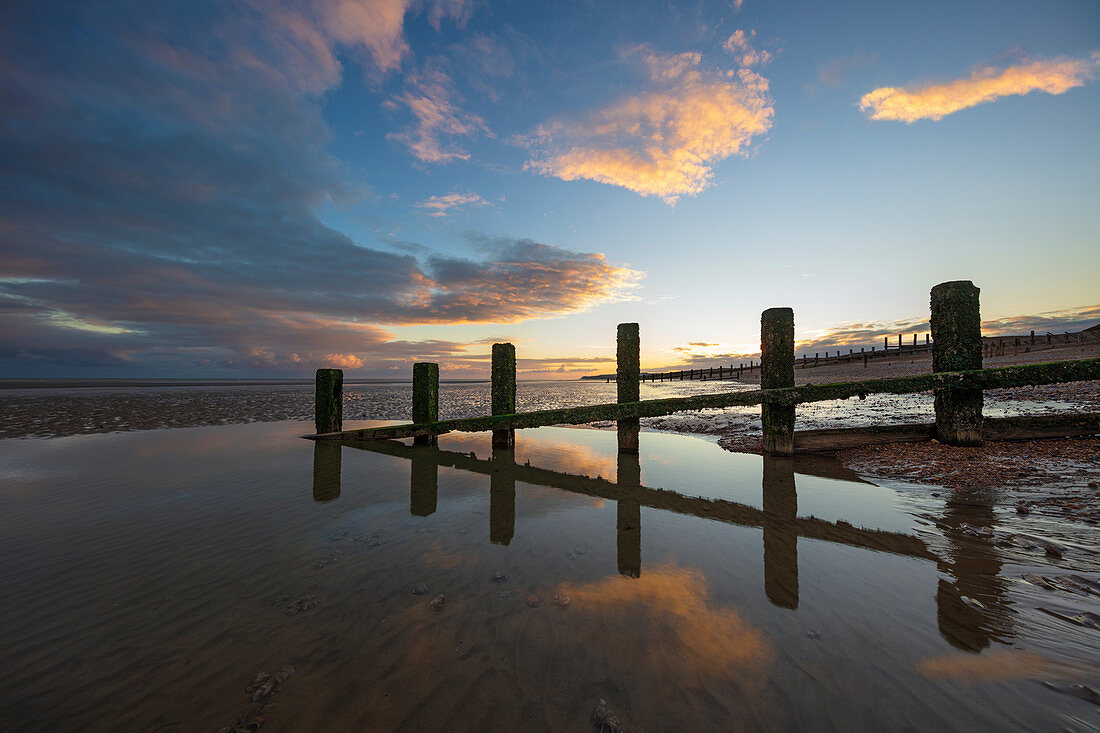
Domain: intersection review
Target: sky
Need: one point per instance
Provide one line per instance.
(259, 189)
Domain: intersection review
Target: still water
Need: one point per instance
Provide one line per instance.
(149, 576)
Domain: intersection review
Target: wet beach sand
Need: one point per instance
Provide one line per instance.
(152, 578)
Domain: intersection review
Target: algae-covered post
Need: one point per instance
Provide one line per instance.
(777, 372)
(328, 413)
(957, 346)
(504, 391)
(425, 407)
(627, 369)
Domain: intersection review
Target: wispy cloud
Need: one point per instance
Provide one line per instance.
(174, 230)
(986, 84)
(740, 45)
(662, 142)
(441, 206)
(437, 119)
(836, 72)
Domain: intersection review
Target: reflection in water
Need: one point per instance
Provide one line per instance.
(628, 521)
(423, 483)
(326, 470)
(502, 496)
(779, 519)
(973, 609)
(780, 532)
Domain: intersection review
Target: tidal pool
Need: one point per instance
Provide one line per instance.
(149, 576)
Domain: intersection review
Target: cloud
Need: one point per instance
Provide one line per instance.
(985, 84)
(996, 665)
(429, 96)
(740, 45)
(662, 142)
(376, 25)
(159, 212)
(441, 206)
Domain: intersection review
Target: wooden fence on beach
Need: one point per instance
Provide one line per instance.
(958, 381)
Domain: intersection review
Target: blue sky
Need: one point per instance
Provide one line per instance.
(263, 188)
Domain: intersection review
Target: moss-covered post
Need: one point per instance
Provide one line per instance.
(328, 413)
(627, 369)
(425, 398)
(504, 391)
(957, 346)
(777, 371)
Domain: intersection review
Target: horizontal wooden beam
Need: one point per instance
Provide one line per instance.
(1013, 376)
(715, 509)
(1034, 427)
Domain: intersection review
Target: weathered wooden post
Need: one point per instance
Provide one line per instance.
(957, 346)
(776, 372)
(627, 367)
(425, 398)
(504, 391)
(328, 413)
(886, 343)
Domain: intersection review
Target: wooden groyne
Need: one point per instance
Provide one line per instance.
(957, 381)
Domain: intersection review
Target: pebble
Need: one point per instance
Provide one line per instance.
(420, 590)
(499, 577)
(437, 602)
(533, 601)
(562, 601)
(813, 634)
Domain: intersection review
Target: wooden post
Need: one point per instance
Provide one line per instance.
(914, 341)
(886, 342)
(777, 371)
(504, 391)
(425, 398)
(328, 412)
(899, 343)
(1032, 338)
(927, 339)
(957, 346)
(627, 367)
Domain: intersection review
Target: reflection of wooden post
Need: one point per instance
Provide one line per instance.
(326, 470)
(423, 483)
(504, 391)
(628, 519)
(957, 345)
(328, 412)
(627, 369)
(502, 497)
(425, 398)
(780, 533)
(777, 371)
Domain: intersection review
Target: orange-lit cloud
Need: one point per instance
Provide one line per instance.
(441, 206)
(992, 666)
(662, 142)
(673, 604)
(740, 45)
(986, 84)
(437, 119)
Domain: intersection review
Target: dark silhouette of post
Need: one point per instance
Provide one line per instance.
(780, 532)
(502, 497)
(425, 407)
(326, 470)
(777, 371)
(423, 482)
(504, 391)
(328, 413)
(628, 518)
(957, 346)
(627, 371)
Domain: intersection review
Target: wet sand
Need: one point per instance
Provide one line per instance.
(149, 576)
